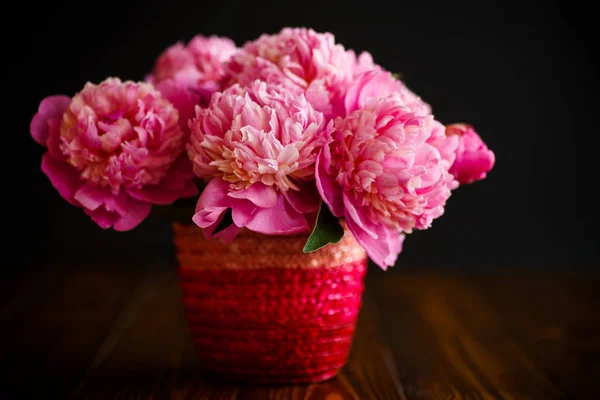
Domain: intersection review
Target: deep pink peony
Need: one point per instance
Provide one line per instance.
(376, 84)
(301, 60)
(385, 171)
(116, 148)
(257, 147)
(473, 158)
(197, 66)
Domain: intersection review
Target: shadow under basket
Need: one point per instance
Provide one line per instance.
(260, 310)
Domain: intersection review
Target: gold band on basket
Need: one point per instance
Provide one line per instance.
(253, 251)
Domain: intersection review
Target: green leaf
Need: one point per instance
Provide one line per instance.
(225, 222)
(327, 230)
(397, 75)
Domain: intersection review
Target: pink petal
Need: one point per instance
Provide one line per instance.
(53, 141)
(394, 240)
(352, 95)
(473, 158)
(376, 84)
(51, 108)
(136, 213)
(372, 84)
(91, 196)
(63, 177)
(182, 100)
(473, 166)
(317, 95)
(187, 76)
(117, 203)
(214, 195)
(208, 217)
(260, 194)
(306, 200)
(356, 213)
(382, 251)
(242, 212)
(105, 219)
(329, 189)
(281, 219)
(212, 203)
(211, 206)
(108, 210)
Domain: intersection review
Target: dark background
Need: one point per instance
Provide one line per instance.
(524, 75)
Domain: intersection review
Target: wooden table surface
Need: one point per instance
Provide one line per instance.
(103, 332)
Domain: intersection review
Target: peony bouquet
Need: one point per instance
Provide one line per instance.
(290, 133)
(304, 159)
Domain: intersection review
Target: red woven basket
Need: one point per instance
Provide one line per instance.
(261, 310)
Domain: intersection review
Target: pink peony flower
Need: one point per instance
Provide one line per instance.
(473, 159)
(385, 170)
(299, 59)
(257, 147)
(376, 84)
(197, 66)
(116, 148)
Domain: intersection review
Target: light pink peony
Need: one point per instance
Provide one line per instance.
(374, 85)
(197, 66)
(299, 59)
(473, 159)
(385, 171)
(116, 148)
(257, 147)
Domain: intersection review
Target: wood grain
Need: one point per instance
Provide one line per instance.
(107, 332)
(51, 330)
(492, 337)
